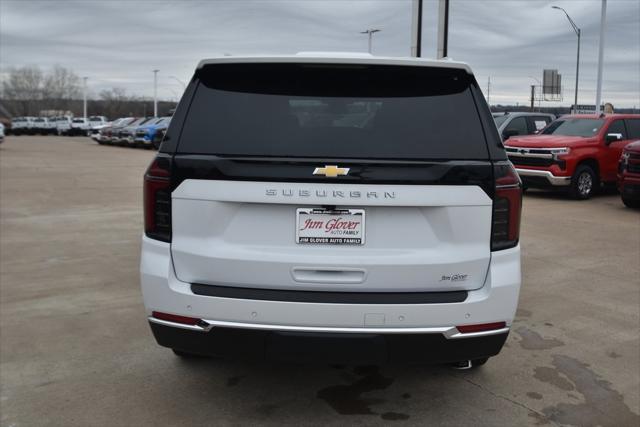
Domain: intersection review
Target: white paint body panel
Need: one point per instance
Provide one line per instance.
(233, 233)
(495, 301)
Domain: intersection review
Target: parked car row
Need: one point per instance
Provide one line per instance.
(145, 132)
(63, 125)
(579, 154)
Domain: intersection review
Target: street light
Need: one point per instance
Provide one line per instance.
(155, 93)
(577, 31)
(370, 32)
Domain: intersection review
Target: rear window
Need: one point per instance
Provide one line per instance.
(78, 120)
(334, 111)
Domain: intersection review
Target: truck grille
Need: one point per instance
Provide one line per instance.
(530, 161)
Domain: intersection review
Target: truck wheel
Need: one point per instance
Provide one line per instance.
(631, 203)
(583, 183)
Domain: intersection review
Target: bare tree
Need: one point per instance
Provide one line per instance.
(115, 102)
(24, 86)
(61, 86)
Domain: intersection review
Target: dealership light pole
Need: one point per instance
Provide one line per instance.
(443, 29)
(84, 96)
(603, 16)
(416, 28)
(577, 31)
(155, 93)
(370, 32)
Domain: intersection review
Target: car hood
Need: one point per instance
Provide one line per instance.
(552, 141)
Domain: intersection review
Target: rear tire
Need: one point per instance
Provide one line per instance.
(583, 183)
(634, 204)
(479, 362)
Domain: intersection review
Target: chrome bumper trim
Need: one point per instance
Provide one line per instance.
(450, 332)
(553, 180)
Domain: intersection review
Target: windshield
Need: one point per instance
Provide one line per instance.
(334, 111)
(78, 120)
(574, 127)
(500, 119)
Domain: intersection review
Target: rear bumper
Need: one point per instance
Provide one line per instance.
(366, 347)
(431, 325)
(536, 177)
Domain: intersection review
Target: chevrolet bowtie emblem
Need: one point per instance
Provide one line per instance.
(331, 171)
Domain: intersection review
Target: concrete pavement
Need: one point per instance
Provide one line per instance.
(75, 348)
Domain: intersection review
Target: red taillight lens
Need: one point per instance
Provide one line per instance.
(466, 329)
(157, 199)
(507, 207)
(185, 320)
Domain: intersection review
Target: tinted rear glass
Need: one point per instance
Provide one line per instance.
(334, 111)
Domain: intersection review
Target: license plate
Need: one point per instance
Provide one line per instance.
(330, 227)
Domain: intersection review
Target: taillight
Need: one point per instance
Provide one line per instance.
(507, 207)
(157, 199)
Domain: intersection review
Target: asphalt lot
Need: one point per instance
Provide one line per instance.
(75, 348)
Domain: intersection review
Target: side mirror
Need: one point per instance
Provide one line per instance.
(508, 134)
(612, 137)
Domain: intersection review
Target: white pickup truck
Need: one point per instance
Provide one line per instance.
(21, 125)
(80, 126)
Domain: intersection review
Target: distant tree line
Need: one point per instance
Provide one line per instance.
(28, 91)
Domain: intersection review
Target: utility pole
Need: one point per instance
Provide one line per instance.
(603, 16)
(539, 96)
(533, 97)
(155, 93)
(443, 29)
(370, 32)
(416, 29)
(84, 96)
(489, 91)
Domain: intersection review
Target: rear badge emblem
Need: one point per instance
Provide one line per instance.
(331, 171)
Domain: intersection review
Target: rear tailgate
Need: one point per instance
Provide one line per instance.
(416, 238)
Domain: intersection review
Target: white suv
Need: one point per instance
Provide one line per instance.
(343, 208)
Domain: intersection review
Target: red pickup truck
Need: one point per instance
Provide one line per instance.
(629, 175)
(577, 152)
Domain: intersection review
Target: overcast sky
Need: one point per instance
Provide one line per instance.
(118, 43)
